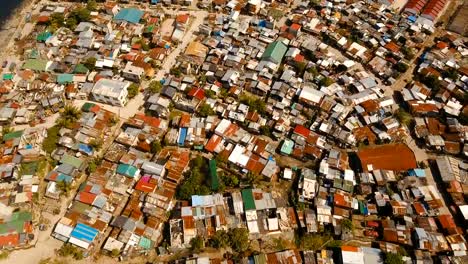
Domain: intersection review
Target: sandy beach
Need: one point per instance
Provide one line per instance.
(13, 25)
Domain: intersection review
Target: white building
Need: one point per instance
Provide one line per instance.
(111, 92)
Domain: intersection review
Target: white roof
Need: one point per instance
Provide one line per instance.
(311, 94)
(352, 257)
(110, 88)
(464, 210)
(63, 230)
(79, 243)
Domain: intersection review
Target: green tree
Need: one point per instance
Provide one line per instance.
(155, 87)
(266, 131)
(401, 67)
(205, 110)
(91, 5)
(115, 253)
(68, 116)
(176, 72)
(64, 187)
(50, 142)
(326, 81)
(133, 90)
(404, 117)
(197, 244)
(155, 146)
(56, 21)
(313, 71)
(393, 258)
(347, 224)
(220, 239)
(90, 63)
(230, 180)
(239, 239)
(95, 143)
(254, 103)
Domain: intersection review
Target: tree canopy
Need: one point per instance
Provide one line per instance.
(133, 90)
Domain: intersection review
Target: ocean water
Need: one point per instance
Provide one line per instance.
(6, 9)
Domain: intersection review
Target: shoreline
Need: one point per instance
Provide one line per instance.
(12, 24)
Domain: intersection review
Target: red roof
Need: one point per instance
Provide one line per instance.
(295, 26)
(182, 18)
(9, 240)
(145, 186)
(446, 221)
(87, 198)
(302, 131)
(197, 93)
(213, 143)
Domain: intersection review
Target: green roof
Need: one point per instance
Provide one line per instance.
(275, 52)
(8, 76)
(16, 222)
(71, 160)
(81, 69)
(36, 65)
(214, 175)
(287, 147)
(145, 243)
(248, 199)
(64, 78)
(127, 170)
(13, 135)
(131, 15)
(43, 36)
(87, 107)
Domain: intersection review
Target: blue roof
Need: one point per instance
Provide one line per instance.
(127, 170)
(182, 136)
(84, 233)
(64, 177)
(417, 172)
(131, 15)
(85, 148)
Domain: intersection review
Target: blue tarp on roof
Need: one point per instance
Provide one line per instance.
(417, 173)
(412, 19)
(85, 148)
(182, 136)
(84, 233)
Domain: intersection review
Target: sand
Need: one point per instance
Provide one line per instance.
(13, 26)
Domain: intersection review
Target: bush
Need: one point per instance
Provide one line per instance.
(314, 241)
(69, 250)
(393, 258)
(90, 63)
(254, 103)
(197, 244)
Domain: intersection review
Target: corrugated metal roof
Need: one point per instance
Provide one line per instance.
(84, 233)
